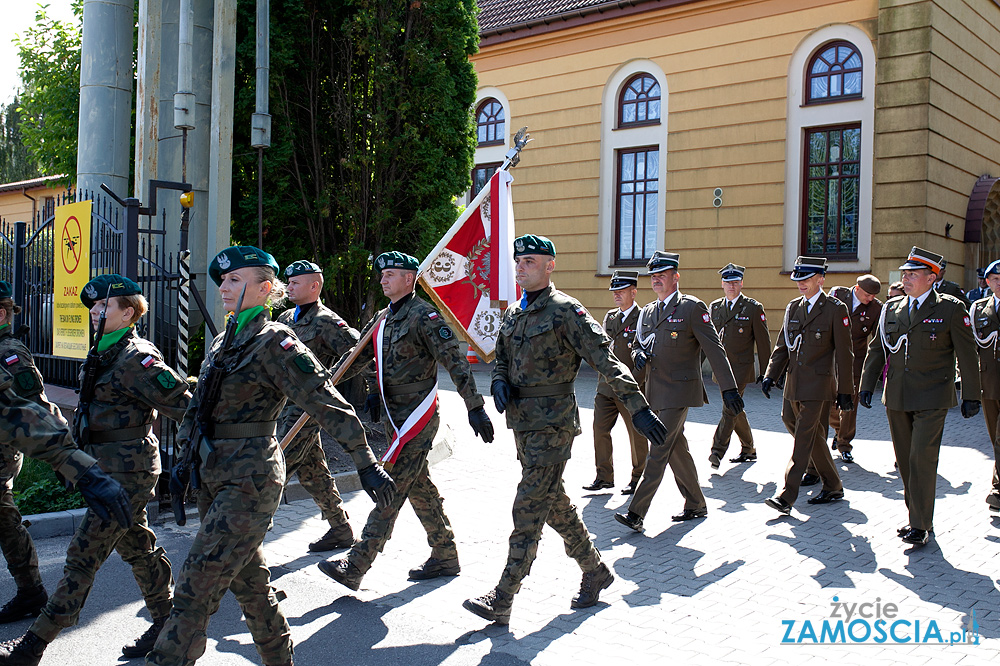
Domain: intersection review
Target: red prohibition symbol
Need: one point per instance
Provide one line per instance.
(71, 234)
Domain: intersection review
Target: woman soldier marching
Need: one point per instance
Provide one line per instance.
(231, 438)
(124, 383)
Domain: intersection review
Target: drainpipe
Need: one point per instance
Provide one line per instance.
(260, 130)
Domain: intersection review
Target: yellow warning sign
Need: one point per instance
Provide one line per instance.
(71, 246)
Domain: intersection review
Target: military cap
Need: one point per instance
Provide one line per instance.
(532, 244)
(104, 286)
(396, 260)
(806, 267)
(870, 284)
(921, 258)
(239, 256)
(302, 267)
(662, 261)
(981, 273)
(732, 272)
(624, 279)
(994, 267)
(6, 291)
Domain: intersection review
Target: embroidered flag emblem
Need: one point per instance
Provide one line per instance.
(966, 320)
(847, 321)
(705, 318)
(148, 361)
(287, 343)
(432, 315)
(342, 324)
(11, 360)
(762, 317)
(580, 310)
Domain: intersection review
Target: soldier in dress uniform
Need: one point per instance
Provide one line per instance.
(542, 340)
(328, 337)
(982, 290)
(944, 286)
(742, 326)
(865, 309)
(238, 463)
(619, 324)
(671, 334)
(814, 344)
(129, 383)
(985, 317)
(407, 346)
(921, 334)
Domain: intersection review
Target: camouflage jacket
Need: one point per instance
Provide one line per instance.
(416, 339)
(133, 384)
(33, 426)
(543, 345)
(26, 382)
(266, 365)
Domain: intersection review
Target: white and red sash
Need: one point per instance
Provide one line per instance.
(420, 416)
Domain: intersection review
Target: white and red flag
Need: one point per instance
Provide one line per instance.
(470, 273)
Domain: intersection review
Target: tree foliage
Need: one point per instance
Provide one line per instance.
(372, 133)
(16, 162)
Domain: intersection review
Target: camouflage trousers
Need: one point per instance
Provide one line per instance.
(227, 554)
(413, 483)
(541, 500)
(306, 458)
(90, 548)
(18, 548)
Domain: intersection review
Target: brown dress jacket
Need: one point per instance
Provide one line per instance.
(621, 330)
(741, 329)
(864, 323)
(986, 320)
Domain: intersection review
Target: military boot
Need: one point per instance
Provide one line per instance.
(143, 645)
(435, 567)
(493, 606)
(343, 572)
(28, 602)
(22, 651)
(591, 585)
(340, 536)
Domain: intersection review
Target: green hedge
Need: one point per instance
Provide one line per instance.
(37, 490)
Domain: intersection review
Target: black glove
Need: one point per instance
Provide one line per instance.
(639, 358)
(970, 408)
(865, 399)
(760, 378)
(373, 406)
(105, 496)
(180, 475)
(378, 484)
(733, 401)
(481, 424)
(845, 402)
(780, 381)
(765, 387)
(501, 394)
(652, 428)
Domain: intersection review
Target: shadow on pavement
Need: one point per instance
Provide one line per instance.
(737, 492)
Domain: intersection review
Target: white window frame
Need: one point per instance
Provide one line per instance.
(489, 154)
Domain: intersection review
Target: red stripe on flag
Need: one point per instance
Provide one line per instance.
(462, 298)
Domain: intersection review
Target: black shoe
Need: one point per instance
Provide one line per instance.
(993, 499)
(24, 650)
(493, 606)
(591, 585)
(917, 537)
(434, 567)
(715, 461)
(847, 456)
(901, 532)
(599, 485)
(143, 645)
(631, 520)
(810, 479)
(340, 536)
(689, 514)
(744, 458)
(343, 572)
(827, 496)
(833, 447)
(779, 505)
(630, 488)
(28, 602)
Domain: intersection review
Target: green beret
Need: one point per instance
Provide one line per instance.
(239, 256)
(302, 267)
(5, 290)
(532, 244)
(104, 286)
(396, 260)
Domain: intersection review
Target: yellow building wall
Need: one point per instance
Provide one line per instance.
(726, 65)
(16, 207)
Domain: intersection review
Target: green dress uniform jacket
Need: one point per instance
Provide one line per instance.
(742, 329)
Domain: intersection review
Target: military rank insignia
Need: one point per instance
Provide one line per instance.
(166, 380)
(445, 333)
(11, 360)
(287, 343)
(148, 361)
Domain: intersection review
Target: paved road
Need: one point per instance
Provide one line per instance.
(696, 593)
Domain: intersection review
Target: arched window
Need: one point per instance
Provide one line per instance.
(834, 73)
(639, 103)
(490, 123)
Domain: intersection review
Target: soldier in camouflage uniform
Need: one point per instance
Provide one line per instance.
(132, 384)
(242, 470)
(328, 337)
(541, 342)
(18, 548)
(407, 347)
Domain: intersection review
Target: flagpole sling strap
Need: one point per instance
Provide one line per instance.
(242, 430)
(412, 387)
(547, 391)
(120, 434)
(290, 435)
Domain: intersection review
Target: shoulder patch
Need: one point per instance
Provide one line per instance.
(763, 318)
(26, 383)
(11, 360)
(148, 361)
(166, 380)
(287, 343)
(305, 364)
(847, 321)
(580, 310)
(966, 321)
(433, 315)
(705, 318)
(445, 333)
(342, 324)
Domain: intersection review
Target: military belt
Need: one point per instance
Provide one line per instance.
(120, 435)
(547, 391)
(242, 430)
(413, 387)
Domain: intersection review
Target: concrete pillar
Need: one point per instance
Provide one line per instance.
(105, 95)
